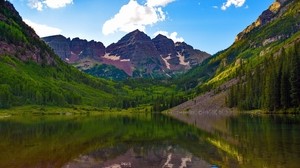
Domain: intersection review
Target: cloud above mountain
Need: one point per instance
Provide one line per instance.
(43, 30)
(155, 3)
(173, 36)
(54, 4)
(236, 3)
(136, 16)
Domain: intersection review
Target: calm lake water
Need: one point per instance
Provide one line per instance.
(147, 140)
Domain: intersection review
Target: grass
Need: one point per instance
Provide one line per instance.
(72, 110)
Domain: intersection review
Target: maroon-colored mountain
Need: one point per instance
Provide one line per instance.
(136, 53)
(73, 50)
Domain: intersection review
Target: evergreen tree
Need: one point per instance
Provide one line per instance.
(295, 79)
(5, 96)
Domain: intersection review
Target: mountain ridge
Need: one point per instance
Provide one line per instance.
(32, 74)
(258, 66)
(136, 54)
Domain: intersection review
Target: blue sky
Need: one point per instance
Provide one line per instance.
(208, 25)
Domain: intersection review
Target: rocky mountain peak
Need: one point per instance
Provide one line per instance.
(55, 38)
(161, 37)
(72, 50)
(273, 12)
(164, 45)
(136, 53)
(135, 36)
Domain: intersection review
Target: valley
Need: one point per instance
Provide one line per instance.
(150, 101)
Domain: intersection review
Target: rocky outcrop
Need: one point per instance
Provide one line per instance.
(193, 56)
(273, 12)
(164, 46)
(60, 45)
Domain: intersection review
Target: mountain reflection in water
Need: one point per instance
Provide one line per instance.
(147, 140)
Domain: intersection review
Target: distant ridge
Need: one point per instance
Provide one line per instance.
(136, 54)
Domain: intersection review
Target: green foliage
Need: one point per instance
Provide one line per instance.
(107, 72)
(295, 77)
(274, 85)
(31, 83)
(5, 96)
(11, 34)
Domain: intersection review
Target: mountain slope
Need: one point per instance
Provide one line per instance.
(137, 49)
(30, 73)
(16, 38)
(262, 49)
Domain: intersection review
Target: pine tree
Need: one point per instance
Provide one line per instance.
(5, 96)
(295, 79)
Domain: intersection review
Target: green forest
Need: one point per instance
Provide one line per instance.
(273, 85)
(271, 82)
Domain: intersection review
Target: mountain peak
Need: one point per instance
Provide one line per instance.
(160, 36)
(137, 31)
(55, 37)
(274, 11)
(136, 53)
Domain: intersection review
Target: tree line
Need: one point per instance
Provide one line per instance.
(273, 85)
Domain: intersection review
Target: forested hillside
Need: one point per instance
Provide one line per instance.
(263, 61)
(274, 84)
(31, 74)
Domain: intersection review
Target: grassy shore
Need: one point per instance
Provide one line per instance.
(72, 110)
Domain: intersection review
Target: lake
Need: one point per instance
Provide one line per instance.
(146, 140)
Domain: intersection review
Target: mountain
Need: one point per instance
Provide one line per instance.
(75, 49)
(275, 12)
(260, 70)
(16, 38)
(136, 54)
(31, 73)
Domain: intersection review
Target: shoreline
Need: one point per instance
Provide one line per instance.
(207, 111)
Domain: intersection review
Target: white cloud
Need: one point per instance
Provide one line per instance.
(215, 7)
(36, 4)
(156, 3)
(172, 36)
(236, 3)
(54, 4)
(136, 16)
(43, 30)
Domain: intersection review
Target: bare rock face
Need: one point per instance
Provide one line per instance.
(159, 55)
(138, 49)
(60, 45)
(75, 49)
(273, 12)
(136, 53)
(164, 46)
(193, 56)
(167, 51)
